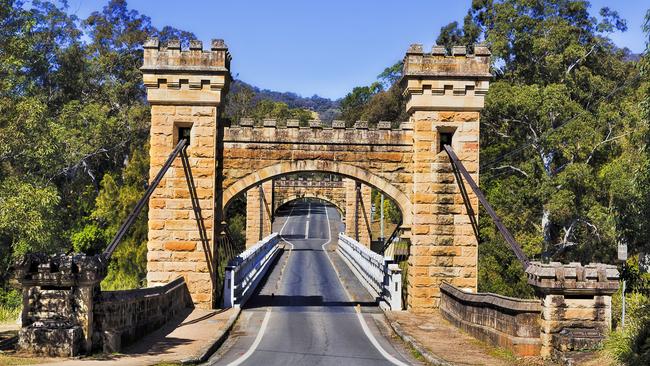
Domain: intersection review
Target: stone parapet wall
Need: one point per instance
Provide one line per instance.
(122, 317)
(502, 321)
(65, 313)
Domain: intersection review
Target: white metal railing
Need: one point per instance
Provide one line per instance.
(377, 273)
(245, 271)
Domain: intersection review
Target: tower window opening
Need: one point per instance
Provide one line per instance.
(445, 139)
(184, 133)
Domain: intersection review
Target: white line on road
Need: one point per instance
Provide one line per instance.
(364, 326)
(265, 322)
(287, 220)
(258, 339)
(307, 229)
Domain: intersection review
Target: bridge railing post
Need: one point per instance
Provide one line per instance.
(393, 285)
(229, 287)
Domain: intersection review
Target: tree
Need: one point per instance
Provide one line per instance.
(562, 135)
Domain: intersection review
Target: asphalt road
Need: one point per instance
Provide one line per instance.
(302, 314)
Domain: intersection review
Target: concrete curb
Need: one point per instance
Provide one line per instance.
(204, 354)
(428, 356)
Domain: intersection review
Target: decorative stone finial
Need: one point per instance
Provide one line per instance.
(246, 122)
(361, 125)
(196, 45)
(174, 44)
(152, 42)
(383, 125)
(481, 50)
(219, 44)
(336, 124)
(415, 48)
(459, 51)
(438, 50)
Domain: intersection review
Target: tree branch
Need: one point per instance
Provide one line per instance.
(512, 168)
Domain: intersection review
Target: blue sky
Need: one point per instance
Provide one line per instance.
(325, 47)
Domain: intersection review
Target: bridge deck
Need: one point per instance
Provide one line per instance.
(303, 314)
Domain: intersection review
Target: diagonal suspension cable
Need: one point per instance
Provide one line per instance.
(516, 248)
(138, 207)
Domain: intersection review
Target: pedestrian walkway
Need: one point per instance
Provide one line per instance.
(188, 339)
(440, 343)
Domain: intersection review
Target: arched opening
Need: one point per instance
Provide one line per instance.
(342, 169)
(309, 196)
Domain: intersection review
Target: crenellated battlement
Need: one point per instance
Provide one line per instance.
(316, 124)
(171, 57)
(441, 64)
(173, 75)
(442, 81)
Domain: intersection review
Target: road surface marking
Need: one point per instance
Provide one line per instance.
(307, 229)
(357, 310)
(265, 322)
(258, 339)
(287, 220)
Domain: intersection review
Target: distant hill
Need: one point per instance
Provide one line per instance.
(326, 108)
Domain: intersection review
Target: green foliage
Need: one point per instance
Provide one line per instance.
(564, 156)
(10, 305)
(631, 345)
(243, 102)
(380, 101)
(392, 212)
(89, 240)
(116, 199)
(73, 112)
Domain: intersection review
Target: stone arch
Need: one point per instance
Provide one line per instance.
(310, 195)
(328, 166)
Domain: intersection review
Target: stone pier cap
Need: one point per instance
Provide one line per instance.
(38, 269)
(573, 278)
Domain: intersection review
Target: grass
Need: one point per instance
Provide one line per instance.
(9, 360)
(9, 314)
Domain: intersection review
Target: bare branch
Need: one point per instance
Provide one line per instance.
(573, 65)
(512, 168)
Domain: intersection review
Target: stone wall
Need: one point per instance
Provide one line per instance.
(122, 317)
(58, 302)
(576, 307)
(502, 321)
